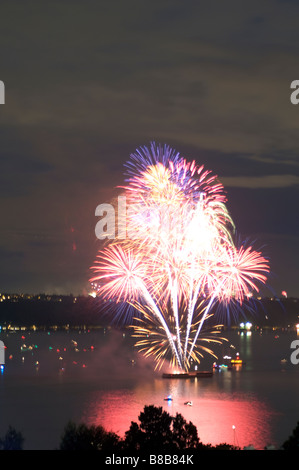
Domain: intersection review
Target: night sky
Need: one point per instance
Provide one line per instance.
(87, 82)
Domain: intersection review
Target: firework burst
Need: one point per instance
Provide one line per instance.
(178, 259)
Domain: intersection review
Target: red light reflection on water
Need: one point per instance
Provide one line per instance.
(233, 418)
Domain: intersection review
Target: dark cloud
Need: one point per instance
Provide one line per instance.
(266, 181)
(88, 82)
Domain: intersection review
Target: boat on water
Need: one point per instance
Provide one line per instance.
(169, 398)
(236, 361)
(221, 366)
(229, 363)
(187, 375)
(189, 403)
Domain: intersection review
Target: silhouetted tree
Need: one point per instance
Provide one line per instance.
(134, 438)
(153, 433)
(82, 437)
(159, 432)
(13, 440)
(184, 434)
(292, 443)
(224, 446)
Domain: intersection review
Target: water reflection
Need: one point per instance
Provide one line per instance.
(213, 412)
(89, 377)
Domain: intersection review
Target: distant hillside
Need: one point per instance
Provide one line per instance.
(56, 310)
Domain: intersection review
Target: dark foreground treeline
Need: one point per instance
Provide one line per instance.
(44, 311)
(156, 433)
